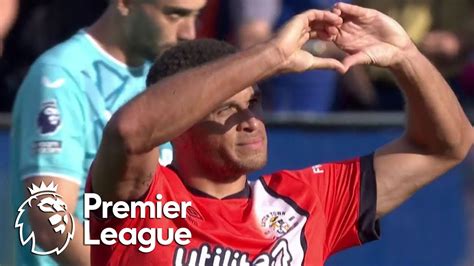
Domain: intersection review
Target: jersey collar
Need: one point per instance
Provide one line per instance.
(243, 194)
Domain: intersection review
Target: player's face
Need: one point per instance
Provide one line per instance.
(156, 25)
(232, 140)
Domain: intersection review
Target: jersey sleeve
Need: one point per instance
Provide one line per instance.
(49, 125)
(347, 191)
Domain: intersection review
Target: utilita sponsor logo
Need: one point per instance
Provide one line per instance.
(279, 255)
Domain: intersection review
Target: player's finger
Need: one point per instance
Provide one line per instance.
(322, 35)
(360, 58)
(328, 63)
(336, 11)
(322, 26)
(348, 9)
(331, 30)
(313, 34)
(304, 38)
(314, 15)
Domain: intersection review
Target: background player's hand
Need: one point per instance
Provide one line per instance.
(370, 37)
(312, 24)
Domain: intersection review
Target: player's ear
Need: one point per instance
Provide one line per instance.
(122, 6)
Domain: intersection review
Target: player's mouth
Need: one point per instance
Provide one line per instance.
(252, 143)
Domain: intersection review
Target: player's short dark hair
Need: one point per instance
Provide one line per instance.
(187, 55)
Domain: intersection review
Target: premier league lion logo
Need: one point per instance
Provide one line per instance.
(47, 201)
(49, 118)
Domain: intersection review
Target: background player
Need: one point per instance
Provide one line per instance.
(70, 93)
(7, 18)
(213, 118)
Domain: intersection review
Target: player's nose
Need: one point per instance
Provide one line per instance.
(248, 121)
(187, 29)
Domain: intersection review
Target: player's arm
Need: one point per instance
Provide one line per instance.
(48, 128)
(8, 15)
(124, 165)
(438, 134)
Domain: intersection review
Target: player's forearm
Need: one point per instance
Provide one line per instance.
(171, 106)
(435, 120)
(8, 13)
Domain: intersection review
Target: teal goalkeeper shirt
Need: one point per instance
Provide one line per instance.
(61, 109)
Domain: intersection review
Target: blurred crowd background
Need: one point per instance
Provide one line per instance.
(442, 29)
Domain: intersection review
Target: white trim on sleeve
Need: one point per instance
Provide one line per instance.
(62, 176)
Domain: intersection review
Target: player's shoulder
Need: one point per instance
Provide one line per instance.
(69, 54)
(301, 175)
(54, 76)
(58, 68)
(67, 59)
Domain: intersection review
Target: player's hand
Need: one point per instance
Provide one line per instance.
(312, 24)
(370, 37)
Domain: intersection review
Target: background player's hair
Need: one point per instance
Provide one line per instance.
(187, 55)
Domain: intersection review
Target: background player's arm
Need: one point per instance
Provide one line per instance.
(438, 134)
(48, 110)
(8, 15)
(75, 253)
(124, 165)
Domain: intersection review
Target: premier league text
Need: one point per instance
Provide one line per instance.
(147, 238)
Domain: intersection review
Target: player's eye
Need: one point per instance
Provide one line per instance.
(254, 102)
(174, 16)
(225, 110)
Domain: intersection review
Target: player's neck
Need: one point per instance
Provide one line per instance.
(107, 32)
(215, 189)
(215, 186)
